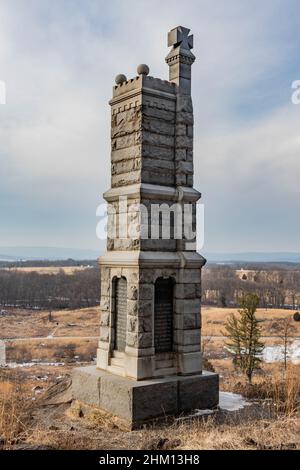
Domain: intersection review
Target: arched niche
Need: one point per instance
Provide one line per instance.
(163, 315)
(120, 313)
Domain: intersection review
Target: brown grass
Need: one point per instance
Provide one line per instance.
(214, 318)
(77, 427)
(52, 350)
(31, 323)
(14, 409)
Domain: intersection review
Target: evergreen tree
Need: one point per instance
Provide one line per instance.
(243, 334)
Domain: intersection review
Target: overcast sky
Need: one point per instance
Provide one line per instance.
(59, 58)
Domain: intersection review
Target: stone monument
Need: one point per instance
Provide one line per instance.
(149, 355)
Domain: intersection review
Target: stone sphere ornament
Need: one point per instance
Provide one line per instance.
(143, 69)
(120, 79)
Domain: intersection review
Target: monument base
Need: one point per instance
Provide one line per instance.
(138, 402)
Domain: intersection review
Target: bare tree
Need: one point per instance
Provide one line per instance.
(286, 331)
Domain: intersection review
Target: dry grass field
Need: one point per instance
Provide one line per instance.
(64, 350)
(70, 335)
(35, 335)
(29, 420)
(214, 318)
(19, 323)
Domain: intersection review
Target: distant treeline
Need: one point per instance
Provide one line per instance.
(50, 291)
(278, 286)
(47, 263)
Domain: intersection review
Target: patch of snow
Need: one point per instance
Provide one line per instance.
(35, 377)
(231, 401)
(275, 353)
(202, 412)
(227, 401)
(195, 414)
(15, 365)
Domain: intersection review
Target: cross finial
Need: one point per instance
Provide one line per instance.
(180, 58)
(179, 36)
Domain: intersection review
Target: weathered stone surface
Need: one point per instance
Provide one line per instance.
(145, 307)
(191, 336)
(158, 126)
(104, 318)
(190, 180)
(144, 340)
(200, 392)
(160, 114)
(187, 337)
(137, 402)
(154, 151)
(123, 179)
(125, 166)
(105, 302)
(186, 291)
(104, 333)
(163, 177)
(132, 307)
(183, 141)
(154, 400)
(185, 167)
(127, 153)
(139, 325)
(86, 385)
(156, 164)
(155, 245)
(187, 305)
(127, 140)
(132, 292)
(157, 139)
(184, 104)
(146, 291)
(126, 244)
(191, 320)
(139, 340)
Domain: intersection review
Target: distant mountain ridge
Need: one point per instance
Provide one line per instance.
(47, 253)
(259, 257)
(52, 253)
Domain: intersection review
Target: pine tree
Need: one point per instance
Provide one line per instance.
(244, 335)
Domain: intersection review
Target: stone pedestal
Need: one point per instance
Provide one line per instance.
(139, 402)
